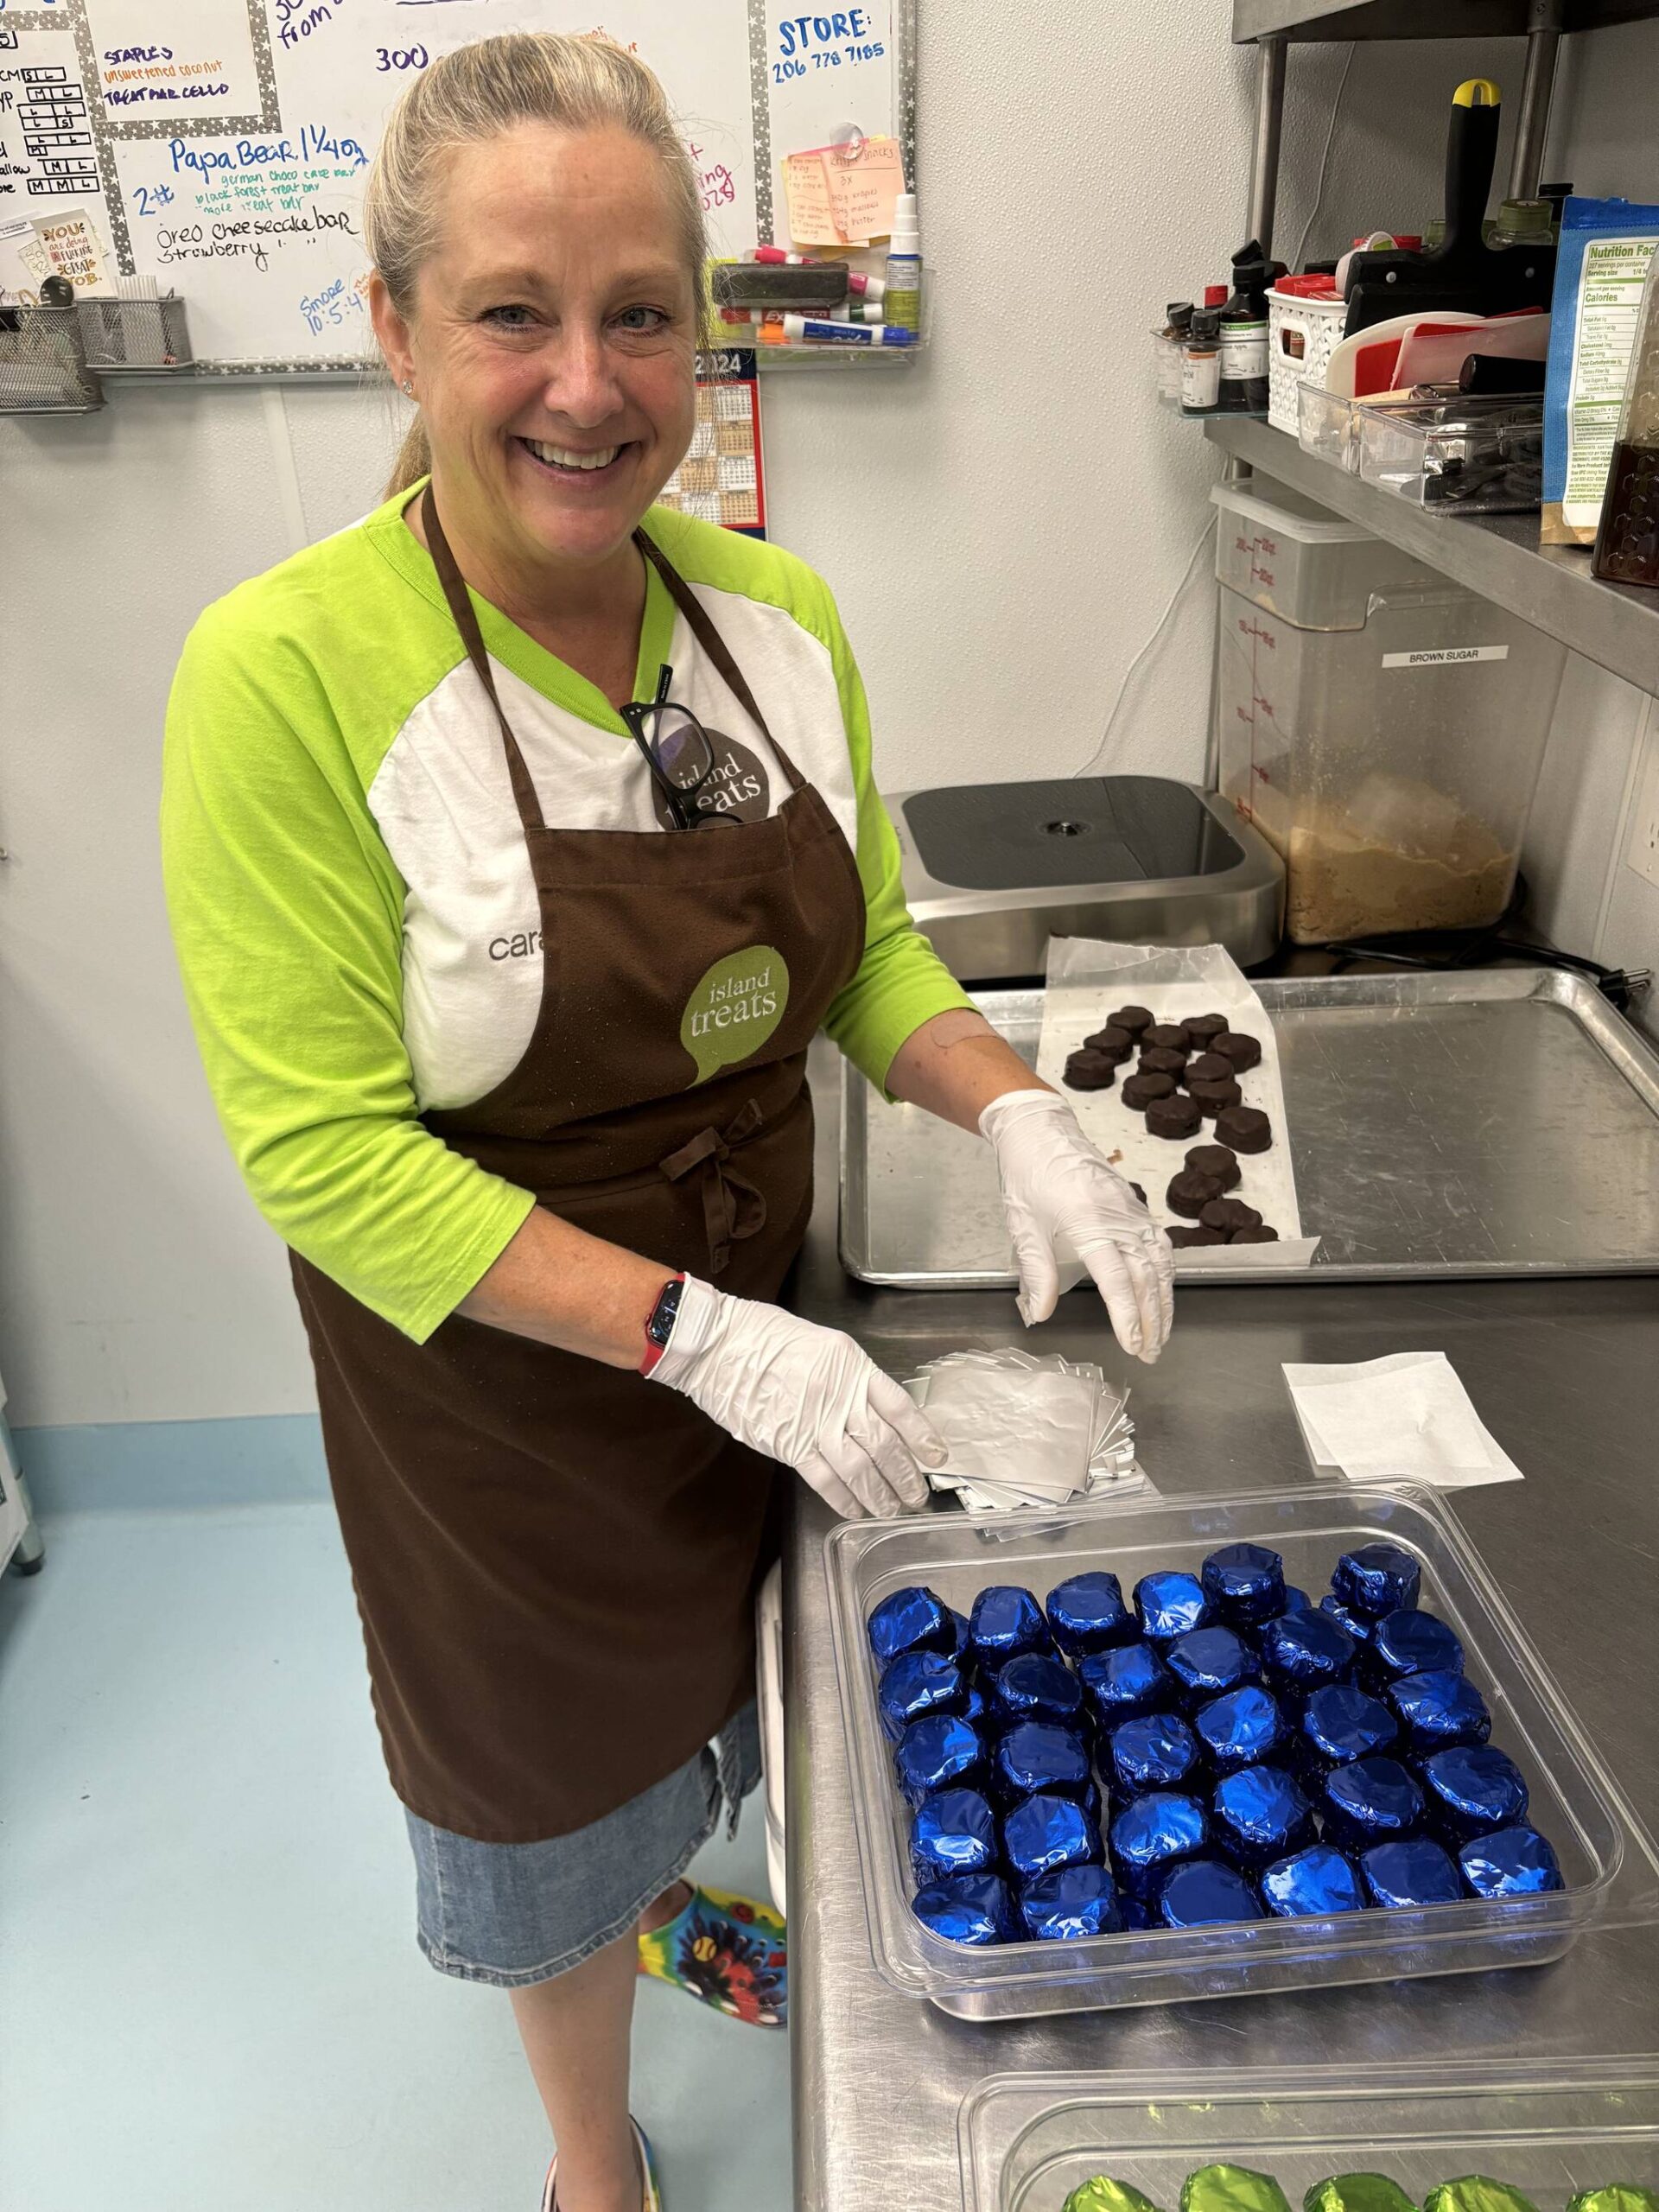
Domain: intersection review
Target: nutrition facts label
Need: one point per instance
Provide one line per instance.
(1615, 270)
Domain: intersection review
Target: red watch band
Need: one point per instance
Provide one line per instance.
(658, 1326)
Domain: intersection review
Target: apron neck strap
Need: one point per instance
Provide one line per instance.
(461, 606)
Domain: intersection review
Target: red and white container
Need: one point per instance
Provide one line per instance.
(1306, 316)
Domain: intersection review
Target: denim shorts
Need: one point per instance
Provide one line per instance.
(510, 1914)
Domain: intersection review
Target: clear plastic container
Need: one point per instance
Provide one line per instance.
(1471, 455)
(1383, 730)
(1550, 2127)
(1607, 1861)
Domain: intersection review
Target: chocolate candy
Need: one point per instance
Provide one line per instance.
(1617, 2196)
(1237, 1729)
(1244, 1129)
(958, 1644)
(1437, 1710)
(1200, 1028)
(1357, 1625)
(1370, 1801)
(1214, 1099)
(1343, 1722)
(1137, 1020)
(1302, 1652)
(1296, 1601)
(1227, 1215)
(1170, 1604)
(1173, 1118)
(1005, 1623)
(1168, 1036)
(1258, 1815)
(1475, 2193)
(1040, 1756)
(1159, 1060)
(911, 1620)
(916, 1683)
(1357, 2193)
(1036, 1687)
(1088, 1070)
(1141, 1091)
(1472, 1789)
(941, 1752)
(1101, 2195)
(1087, 1613)
(954, 1833)
(1185, 1240)
(1208, 1067)
(1069, 1904)
(1156, 1752)
(1151, 1834)
(1239, 1050)
(1215, 1159)
(1117, 1043)
(1245, 1582)
(1262, 1234)
(1377, 1578)
(1514, 1862)
(1311, 1884)
(1044, 1831)
(1204, 1893)
(1190, 1192)
(975, 1707)
(968, 1909)
(1125, 1681)
(1207, 1663)
(1411, 1644)
(1232, 2188)
(1413, 1872)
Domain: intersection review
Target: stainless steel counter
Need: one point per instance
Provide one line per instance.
(1562, 1372)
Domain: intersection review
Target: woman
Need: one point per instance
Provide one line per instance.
(507, 908)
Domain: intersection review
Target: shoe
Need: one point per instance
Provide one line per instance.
(653, 2199)
(726, 1951)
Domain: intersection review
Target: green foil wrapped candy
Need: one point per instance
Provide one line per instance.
(1232, 2188)
(1359, 2193)
(1476, 2193)
(1617, 2196)
(1104, 2195)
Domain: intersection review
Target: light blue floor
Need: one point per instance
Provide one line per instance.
(211, 2001)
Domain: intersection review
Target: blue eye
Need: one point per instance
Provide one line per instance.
(657, 319)
(497, 317)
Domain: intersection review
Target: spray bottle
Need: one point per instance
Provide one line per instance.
(902, 303)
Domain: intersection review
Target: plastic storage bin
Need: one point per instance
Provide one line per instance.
(1464, 456)
(1383, 730)
(1550, 2127)
(1607, 1861)
(1305, 315)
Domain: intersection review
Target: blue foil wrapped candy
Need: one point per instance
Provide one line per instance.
(1512, 1862)
(1237, 1729)
(1377, 1578)
(1070, 1904)
(1297, 1601)
(1036, 1687)
(954, 1833)
(1472, 1789)
(915, 1684)
(1154, 1833)
(1409, 1644)
(1413, 1872)
(968, 1909)
(1343, 1723)
(1087, 1613)
(1245, 1583)
(1127, 1680)
(1170, 1604)
(1204, 1893)
(1358, 1625)
(911, 1620)
(1372, 1800)
(940, 1752)
(1042, 1755)
(1311, 1884)
(1438, 1709)
(1208, 1663)
(958, 1625)
(1258, 1815)
(1007, 1622)
(1302, 1652)
(1045, 1832)
(1157, 1752)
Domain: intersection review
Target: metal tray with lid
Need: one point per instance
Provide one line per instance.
(1490, 1121)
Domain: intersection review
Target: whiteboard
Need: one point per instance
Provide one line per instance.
(220, 146)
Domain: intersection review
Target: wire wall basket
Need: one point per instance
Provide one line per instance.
(135, 334)
(43, 368)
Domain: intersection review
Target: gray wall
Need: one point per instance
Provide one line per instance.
(1002, 522)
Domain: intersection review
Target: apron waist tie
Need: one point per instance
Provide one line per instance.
(732, 1206)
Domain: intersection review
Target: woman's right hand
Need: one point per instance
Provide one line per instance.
(803, 1395)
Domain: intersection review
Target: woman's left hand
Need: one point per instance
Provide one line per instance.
(1062, 1200)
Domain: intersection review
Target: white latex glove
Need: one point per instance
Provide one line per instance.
(1062, 1202)
(803, 1395)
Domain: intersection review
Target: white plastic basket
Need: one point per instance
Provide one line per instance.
(1302, 335)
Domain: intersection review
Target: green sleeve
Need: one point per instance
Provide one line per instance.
(901, 981)
(287, 915)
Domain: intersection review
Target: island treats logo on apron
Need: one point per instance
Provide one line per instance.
(740, 787)
(734, 1008)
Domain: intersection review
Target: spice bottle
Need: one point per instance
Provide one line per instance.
(1201, 364)
(1243, 333)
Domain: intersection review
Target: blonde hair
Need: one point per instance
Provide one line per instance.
(477, 92)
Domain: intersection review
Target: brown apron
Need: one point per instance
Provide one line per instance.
(555, 1560)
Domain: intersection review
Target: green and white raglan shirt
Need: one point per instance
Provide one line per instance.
(352, 898)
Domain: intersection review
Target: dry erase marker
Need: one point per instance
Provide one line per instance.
(866, 287)
(804, 330)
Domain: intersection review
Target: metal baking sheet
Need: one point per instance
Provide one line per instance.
(1501, 1122)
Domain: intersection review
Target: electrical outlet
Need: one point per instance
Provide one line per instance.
(1641, 843)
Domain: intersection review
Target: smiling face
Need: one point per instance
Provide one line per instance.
(552, 349)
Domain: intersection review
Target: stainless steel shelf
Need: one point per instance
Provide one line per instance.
(1314, 20)
(1616, 625)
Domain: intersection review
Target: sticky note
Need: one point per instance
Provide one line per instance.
(806, 188)
(865, 182)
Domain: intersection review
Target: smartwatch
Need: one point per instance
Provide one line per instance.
(659, 1322)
